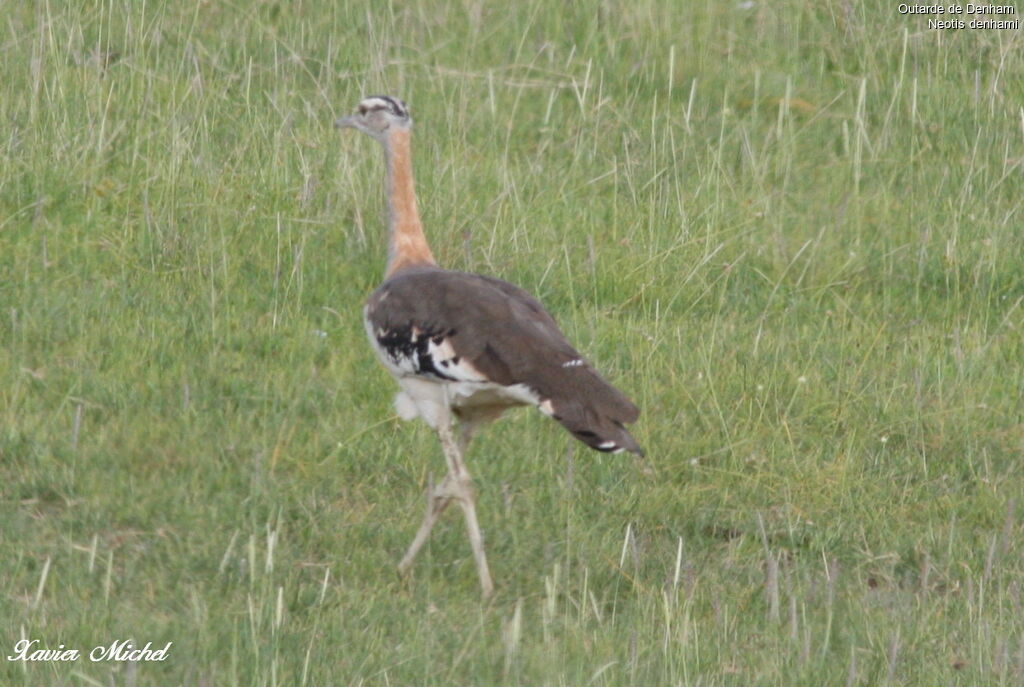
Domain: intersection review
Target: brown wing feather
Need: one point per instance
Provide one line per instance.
(508, 336)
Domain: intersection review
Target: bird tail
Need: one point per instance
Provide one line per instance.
(602, 433)
(623, 441)
(595, 413)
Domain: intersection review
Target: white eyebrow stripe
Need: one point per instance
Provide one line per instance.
(375, 101)
(383, 102)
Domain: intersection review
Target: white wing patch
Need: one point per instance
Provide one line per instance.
(451, 365)
(573, 363)
(427, 395)
(400, 366)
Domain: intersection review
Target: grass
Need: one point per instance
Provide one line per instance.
(800, 256)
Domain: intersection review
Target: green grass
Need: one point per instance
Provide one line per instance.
(802, 257)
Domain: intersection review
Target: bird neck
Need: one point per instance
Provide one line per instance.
(407, 245)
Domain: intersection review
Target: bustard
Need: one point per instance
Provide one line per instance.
(465, 347)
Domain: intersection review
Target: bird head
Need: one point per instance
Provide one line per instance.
(376, 116)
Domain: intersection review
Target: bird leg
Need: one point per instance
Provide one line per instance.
(457, 486)
(462, 489)
(437, 501)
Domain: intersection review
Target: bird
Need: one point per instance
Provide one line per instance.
(464, 347)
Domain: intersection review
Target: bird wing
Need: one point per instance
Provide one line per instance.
(460, 327)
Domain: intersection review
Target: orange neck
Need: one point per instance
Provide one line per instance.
(407, 246)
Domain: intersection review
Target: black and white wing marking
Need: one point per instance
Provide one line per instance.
(457, 327)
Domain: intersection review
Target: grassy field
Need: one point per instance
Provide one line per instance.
(791, 231)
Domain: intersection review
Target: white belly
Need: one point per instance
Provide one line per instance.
(434, 401)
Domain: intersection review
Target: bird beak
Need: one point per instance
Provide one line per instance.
(345, 122)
